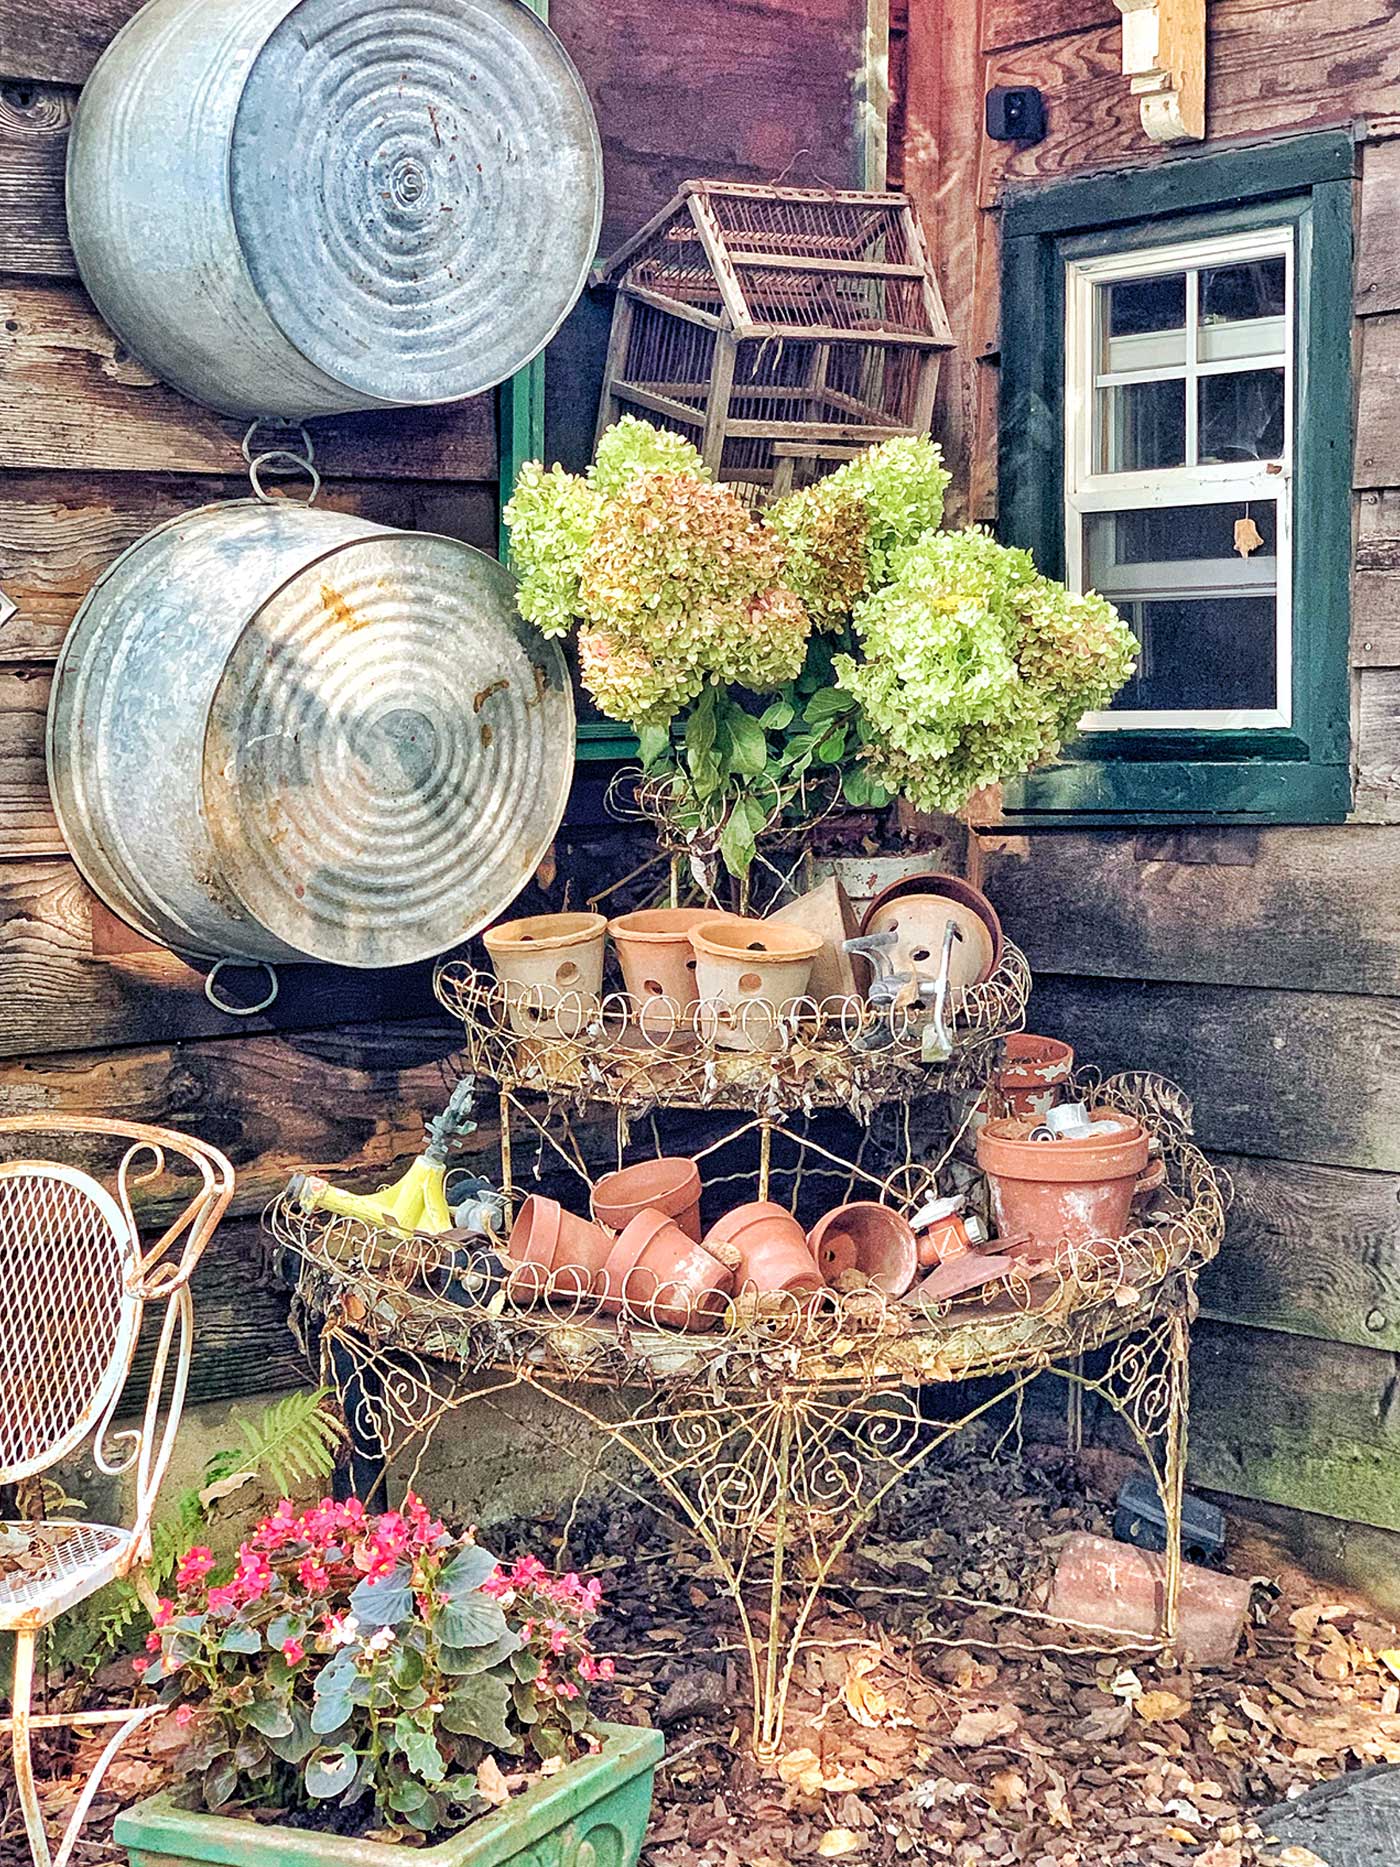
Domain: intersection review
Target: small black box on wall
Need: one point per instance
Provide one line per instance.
(1015, 113)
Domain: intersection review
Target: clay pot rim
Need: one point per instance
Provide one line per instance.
(794, 944)
(1029, 1068)
(676, 934)
(956, 889)
(1004, 1148)
(686, 1181)
(899, 1223)
(567, 930)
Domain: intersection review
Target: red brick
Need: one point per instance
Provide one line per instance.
(1114, 1586)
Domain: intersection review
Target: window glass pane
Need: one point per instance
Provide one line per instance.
(1142, 425)
(1205, 613)
(1209, 652)
(1241, 415)
(1146, 305)
(1254, 290)
(1142, 324)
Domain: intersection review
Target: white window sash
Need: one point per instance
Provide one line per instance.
(1257, 483)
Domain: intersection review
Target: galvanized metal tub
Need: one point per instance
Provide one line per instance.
(299, 207)
(279, 733)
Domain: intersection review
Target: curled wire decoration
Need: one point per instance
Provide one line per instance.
(838, 1052)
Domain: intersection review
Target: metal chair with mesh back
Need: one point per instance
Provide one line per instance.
(75, 1279)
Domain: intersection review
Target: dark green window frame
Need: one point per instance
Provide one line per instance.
(1295, 774)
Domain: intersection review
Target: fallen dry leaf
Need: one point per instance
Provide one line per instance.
(1158, 1707)
(491, 1784)
(838, 1841)
(975, 1728)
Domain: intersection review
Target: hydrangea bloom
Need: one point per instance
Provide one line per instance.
(974, 667)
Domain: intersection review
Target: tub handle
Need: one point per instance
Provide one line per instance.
(292, 452)
(241, 1011)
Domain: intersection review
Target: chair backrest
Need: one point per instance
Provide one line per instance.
(70, 1310)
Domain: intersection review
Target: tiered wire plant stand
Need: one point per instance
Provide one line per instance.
(775, 1435)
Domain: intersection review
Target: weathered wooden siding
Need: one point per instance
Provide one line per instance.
(1261, 968)
(94, 452)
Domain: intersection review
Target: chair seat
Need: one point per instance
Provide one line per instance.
(46, 1568)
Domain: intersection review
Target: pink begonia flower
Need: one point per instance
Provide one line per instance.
(194, 1565)
(164, 1614)
(184, 1714)
(140, 1665)
(293, 1652)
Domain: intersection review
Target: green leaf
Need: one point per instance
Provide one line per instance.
(406, 1667)
(465, 1573)
(299, 1742)
(220, 1781)
(832, 748)
(479, 1708)
(240, 1639)
(461, 1662)
(526, 1664)
(269, 1716)
(737, 844)
(328, 1772)
(384, 1602)
(855, 787)
(826, 705)
(655, 745)
(778, 715)
(701, 730)
(476, 1621)
(748, 753)
(420, 1748)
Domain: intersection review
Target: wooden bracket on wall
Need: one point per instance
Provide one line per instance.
(1164, 53)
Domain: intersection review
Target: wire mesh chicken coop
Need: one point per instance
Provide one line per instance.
(780, 329)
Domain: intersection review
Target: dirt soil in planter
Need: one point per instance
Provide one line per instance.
(942, 1733)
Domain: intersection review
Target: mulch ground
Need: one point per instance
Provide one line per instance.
(924, 1730)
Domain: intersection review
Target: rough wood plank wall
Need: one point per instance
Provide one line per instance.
(94, 452)
(1260, 967)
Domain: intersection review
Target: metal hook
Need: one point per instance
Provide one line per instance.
(241, 1011)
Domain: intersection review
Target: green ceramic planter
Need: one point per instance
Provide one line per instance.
(592, 1814)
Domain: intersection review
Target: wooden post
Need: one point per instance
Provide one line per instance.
(615, 364)
(717, 408)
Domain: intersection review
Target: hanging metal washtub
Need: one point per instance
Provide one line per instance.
(299, 207)
(279, 733)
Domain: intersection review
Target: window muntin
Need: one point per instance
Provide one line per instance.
(1178, 457)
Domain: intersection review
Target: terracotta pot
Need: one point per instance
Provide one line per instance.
(1032, 1075)
(662, 1278)
(870, 1238)
(919, 908)
(772, 1247)
(551, 966)
(1052, 1190)
(746, 972)
(669, 1185)
(556, 1253)
(658, 965)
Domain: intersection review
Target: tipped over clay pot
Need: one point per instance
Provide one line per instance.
(670, 1185)
(746, 972)
(658, 965)
(772, 1247)
(917, 911)
(1075, 1190)
(1033, 1074)
(661, 1278)
(555, 1252)
(551, 967)
(870, 1238)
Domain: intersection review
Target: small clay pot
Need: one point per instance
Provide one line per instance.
(918, 909)
(1072, 1190)
(551, 967)
(669, 1185)
(660, 1277)
(870, 1238)
(772, 1247)
(746, 972)
(658, 965)
(1032, 1076)
(555, 1253)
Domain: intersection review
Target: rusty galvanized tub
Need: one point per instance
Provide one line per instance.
(299, 207)
(279, 733)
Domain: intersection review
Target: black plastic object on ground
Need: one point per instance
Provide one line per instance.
(1351, 1822)
(1140, 1519)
